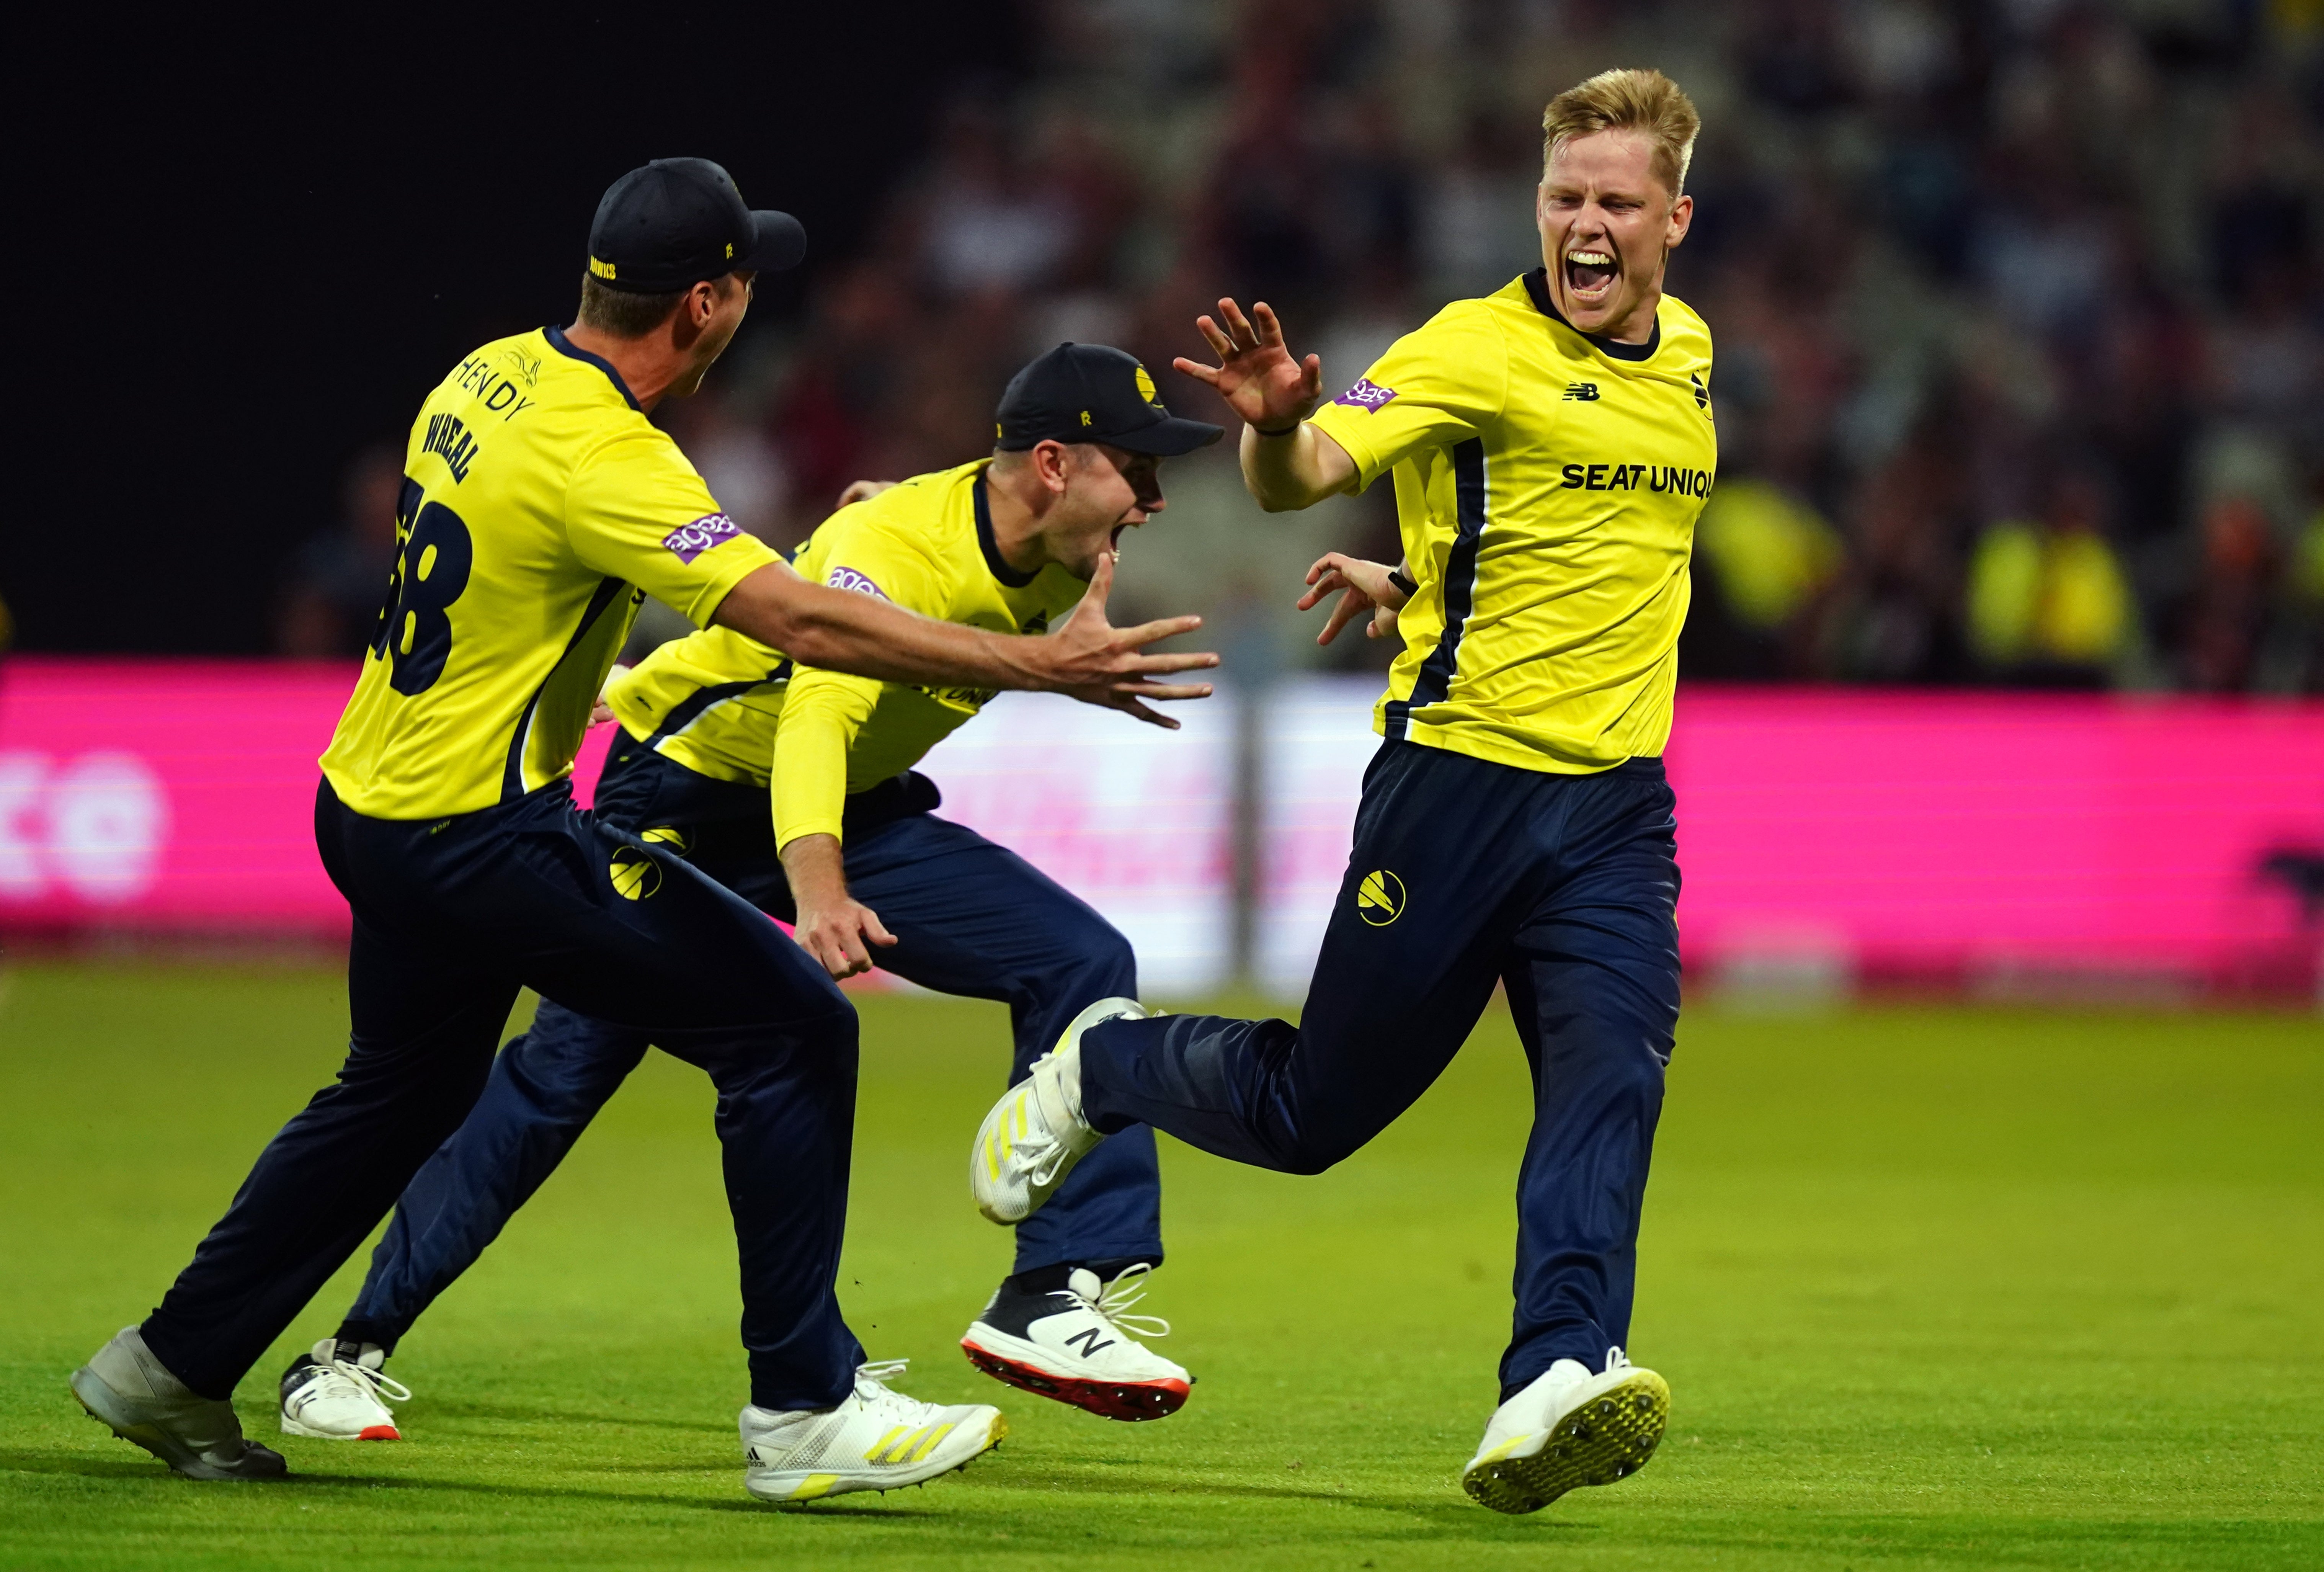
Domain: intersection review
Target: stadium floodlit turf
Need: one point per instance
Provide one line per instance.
(1933, 1288)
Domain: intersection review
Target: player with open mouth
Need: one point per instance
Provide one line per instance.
(1516, 826)
(795, 788)
(540, 506)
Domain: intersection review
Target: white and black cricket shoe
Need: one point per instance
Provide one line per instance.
(1074, 1345)
(1569, 1429)
(339, 1393)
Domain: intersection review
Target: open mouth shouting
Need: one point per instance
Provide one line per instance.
(1590, 274)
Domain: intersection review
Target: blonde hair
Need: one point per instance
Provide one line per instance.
(1631, 100)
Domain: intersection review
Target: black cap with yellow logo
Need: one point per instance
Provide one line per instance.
(678, 221)
(1088, 393)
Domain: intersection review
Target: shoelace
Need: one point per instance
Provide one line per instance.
(1113, 1301)
(876, 1373)
(371, 1384)
(1615, 1359)
(1045, 1171)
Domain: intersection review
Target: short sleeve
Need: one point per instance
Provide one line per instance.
(636, 510)
(1435, 386)
(856, 549)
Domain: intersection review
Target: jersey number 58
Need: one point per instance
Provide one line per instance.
(414, 632)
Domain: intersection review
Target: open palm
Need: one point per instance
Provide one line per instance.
(1260, 378)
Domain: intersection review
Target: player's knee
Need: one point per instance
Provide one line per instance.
(830, 1037)
(1312, 1152)
(1636, 1070)
(1103, 963)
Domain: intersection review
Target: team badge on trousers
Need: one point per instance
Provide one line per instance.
(1379, 899)
(635, 874)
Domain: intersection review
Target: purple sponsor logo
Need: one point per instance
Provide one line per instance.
(691, 541)
(1367, 394)
(849, 579)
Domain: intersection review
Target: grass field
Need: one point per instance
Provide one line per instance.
(1931, 1288)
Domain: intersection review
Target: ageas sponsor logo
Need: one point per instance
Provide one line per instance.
(1367, 394)
(691, 541)
(849, 579)
(1668, 477)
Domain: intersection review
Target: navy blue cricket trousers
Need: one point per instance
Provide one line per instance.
(1565, 888)
(971, 918)
(451, 918)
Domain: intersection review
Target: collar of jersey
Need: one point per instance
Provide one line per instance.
(986, 544)
(563, 345)
(1536, 283)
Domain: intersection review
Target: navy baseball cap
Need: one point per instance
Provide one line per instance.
(678, 221)
(1088, 393)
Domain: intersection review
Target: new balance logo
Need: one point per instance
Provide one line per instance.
(1581, 393)
(1089, 1339)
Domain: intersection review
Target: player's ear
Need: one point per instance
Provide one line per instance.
(1681, 215)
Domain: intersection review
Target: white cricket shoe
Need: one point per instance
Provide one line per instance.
(1568, 1429)
(1034, 1136)
(334, 1394)
(876, 1439)
(134, 1393)
(1074, 1345)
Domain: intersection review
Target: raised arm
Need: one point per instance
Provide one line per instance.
(1085, 657)
(1286, 463)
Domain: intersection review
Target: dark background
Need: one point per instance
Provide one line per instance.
(259, 246)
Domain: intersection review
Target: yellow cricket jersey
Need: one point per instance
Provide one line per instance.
(1547, 484)
(540, 507)
(715, 701)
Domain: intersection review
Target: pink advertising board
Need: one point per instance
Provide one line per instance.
(1948, 837)
(1977, 839)
(164, 794)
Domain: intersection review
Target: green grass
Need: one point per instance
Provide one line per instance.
(1933, 1288)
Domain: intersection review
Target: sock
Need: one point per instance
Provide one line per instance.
(1050, 1279)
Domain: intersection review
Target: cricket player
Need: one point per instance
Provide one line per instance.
(540, 506)
(1551, 444)
(849, 851)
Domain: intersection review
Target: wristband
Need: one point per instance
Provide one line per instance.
(1398, 577)
(1285, 431)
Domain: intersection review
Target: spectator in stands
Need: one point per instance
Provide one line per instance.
(2049, 604)
(1764, 559)
(331, 598)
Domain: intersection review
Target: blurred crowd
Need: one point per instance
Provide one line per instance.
(2019, 308)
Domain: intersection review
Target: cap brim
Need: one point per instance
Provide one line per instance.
(1169, 436)
(781, 241)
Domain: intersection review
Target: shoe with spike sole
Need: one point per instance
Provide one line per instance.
(1607, 1438)
(1107, 1399)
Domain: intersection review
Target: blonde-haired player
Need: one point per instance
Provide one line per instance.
(1552, 444)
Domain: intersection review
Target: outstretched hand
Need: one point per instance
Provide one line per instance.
(1259, 379)
(1086, 657)
(1362, 587)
